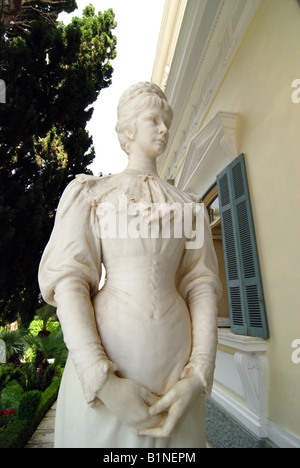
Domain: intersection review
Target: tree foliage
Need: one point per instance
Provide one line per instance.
(53, 74)
(19, 12)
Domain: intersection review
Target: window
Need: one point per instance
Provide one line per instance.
(244, 286)
(214, 211)
(211, 201)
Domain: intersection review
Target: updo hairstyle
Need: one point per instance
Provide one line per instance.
(133, 101)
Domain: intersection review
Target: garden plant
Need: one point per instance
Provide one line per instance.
(30, 377)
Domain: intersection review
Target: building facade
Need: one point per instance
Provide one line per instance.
(230, 70)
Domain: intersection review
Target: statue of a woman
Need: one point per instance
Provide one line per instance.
(142, 348)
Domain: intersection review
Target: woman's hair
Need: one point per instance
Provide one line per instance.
(133, 101)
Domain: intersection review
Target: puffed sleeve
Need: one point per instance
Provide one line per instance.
(198, 284)
(69, 276)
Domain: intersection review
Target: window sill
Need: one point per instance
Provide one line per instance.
(249, 344)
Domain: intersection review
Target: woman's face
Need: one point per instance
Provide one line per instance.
(152, 132)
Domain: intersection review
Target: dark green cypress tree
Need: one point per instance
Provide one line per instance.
(53, 74)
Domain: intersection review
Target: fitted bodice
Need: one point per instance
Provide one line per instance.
(154, 277)
(143, 321)
(147, 266)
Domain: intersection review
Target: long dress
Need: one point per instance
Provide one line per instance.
(154, 320)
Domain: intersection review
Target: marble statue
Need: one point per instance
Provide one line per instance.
(142, 348)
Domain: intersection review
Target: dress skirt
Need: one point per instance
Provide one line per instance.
(79, 426)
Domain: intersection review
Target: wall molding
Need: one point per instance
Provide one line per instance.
(209, 37)
(262, 428)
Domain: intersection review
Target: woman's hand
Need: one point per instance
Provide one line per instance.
(178, 401)
(130, 402)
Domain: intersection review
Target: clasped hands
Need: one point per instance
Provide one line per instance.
(146, 413)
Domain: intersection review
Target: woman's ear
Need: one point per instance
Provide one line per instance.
(129, 132)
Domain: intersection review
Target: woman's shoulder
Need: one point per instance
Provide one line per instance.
(177, 192)
(91, 180)
(94, 186)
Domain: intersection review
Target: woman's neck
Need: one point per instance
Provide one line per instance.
(142, 164)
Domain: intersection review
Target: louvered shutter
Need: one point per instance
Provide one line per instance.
(245, 293)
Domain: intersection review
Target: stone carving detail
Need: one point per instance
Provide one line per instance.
(252, 368)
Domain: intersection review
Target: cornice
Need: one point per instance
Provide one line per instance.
(171, 23)
(210, 35)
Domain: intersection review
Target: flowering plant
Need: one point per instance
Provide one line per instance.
(6, 417)
(11, 411)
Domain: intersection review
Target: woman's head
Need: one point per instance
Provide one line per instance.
(133, 102)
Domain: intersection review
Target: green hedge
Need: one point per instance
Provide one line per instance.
(18, 433)
(29, 404)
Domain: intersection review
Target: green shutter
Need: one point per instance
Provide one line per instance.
(245, 293)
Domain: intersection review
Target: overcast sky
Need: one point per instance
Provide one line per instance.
(137, 33)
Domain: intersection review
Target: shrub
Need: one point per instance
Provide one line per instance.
(28, 404)
(11, 396)
(19, 432)
(7, 374)
(6, 418)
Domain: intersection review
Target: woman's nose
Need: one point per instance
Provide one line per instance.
(163, 129)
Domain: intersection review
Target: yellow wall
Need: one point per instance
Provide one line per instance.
(258, 87)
